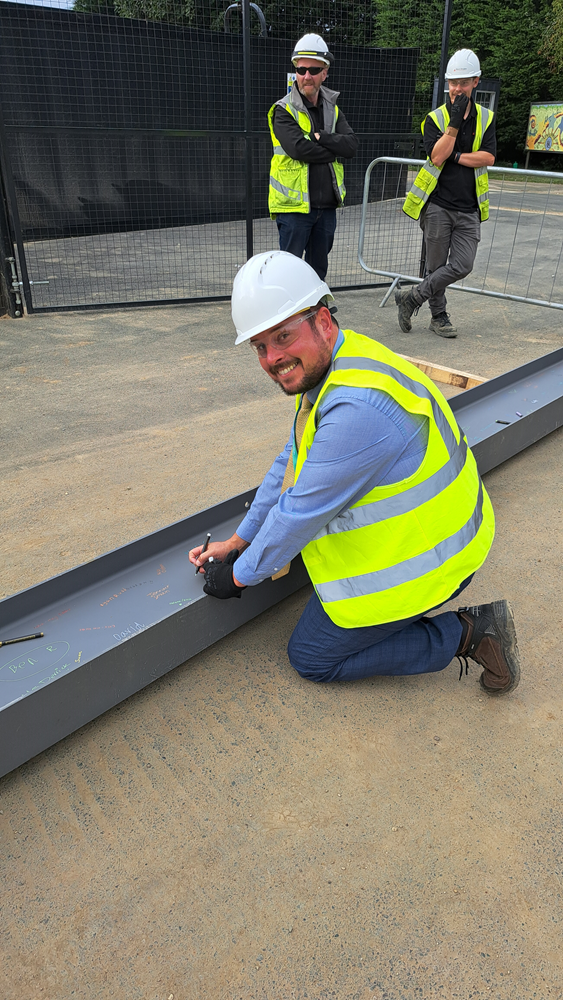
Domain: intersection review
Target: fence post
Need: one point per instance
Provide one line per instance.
(7, 296)
(248, 141)
(11, 207)
(444, 52)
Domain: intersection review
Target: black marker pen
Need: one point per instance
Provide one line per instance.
(204, 549)
(22, 638)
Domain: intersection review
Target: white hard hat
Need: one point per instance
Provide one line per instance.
(313, 46)
(463, 65)
(269, 288)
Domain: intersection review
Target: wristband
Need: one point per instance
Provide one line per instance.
(451, 130)
(457, 156)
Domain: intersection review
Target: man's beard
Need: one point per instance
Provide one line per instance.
(310, 379)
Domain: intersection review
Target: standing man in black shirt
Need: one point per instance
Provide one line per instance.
(450, 195)
(310, 136)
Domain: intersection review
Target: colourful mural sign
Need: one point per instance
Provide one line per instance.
(545, 128)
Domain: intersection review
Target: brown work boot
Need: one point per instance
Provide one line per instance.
(442, 325)
(407, 305)
(489, 638)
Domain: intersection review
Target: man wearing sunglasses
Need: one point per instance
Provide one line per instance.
(310, 136)
(376, 488)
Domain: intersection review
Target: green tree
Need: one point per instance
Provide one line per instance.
(190, 13)
(413, 24)
(520, 41)
(552, 42)
(506, 34)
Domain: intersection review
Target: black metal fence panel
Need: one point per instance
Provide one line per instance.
(127, 146)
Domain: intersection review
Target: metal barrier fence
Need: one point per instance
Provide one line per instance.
(521, 252)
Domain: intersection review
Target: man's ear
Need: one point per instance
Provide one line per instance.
(325, 321)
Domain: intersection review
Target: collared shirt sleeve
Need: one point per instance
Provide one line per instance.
(267, 495)
(363, 439)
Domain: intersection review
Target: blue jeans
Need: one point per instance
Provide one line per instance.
(312, 233)
(321, 651)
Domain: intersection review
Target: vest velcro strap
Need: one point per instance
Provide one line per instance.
(409, 570)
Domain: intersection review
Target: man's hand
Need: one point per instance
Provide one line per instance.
(458, 110)
(219, 579)
(218, 550)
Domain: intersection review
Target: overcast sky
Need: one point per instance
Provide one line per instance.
(67, 4)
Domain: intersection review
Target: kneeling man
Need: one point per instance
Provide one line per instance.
(376, 488)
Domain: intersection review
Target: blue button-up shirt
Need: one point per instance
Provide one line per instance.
(363, 439)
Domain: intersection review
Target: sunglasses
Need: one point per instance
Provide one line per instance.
(313, 70)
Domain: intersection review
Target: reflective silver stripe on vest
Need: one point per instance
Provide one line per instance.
(487, 117)
(432, 169)
(279, 151)
(439, 114)
(402, 503)
(418, 192)
(292, 193)
(484, 196)
(368, 364)
(409, 570)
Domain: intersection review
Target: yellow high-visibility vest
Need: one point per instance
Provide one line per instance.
(289, 178)
(405, 547)
(428, 175)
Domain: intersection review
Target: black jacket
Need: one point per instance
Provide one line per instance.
(318, 153)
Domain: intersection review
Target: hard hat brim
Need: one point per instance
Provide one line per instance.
(463, 76)
(319, 56)
(292, 311)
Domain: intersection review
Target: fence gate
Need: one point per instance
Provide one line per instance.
(135, 161)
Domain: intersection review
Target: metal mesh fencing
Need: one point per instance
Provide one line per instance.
(135, 160)
(520, 255)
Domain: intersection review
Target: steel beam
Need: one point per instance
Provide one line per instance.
(114, 625)
(503, 416)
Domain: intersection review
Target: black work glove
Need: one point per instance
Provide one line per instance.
(219, 578)
(458, 110)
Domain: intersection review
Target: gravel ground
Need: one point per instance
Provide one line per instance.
(233, 831)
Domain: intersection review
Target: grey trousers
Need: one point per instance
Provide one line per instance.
(456, 234)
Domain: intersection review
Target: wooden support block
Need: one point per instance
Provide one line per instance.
(449, 376)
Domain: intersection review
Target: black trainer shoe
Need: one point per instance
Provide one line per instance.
(489, 638)
(441, 325)
(407, 306)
